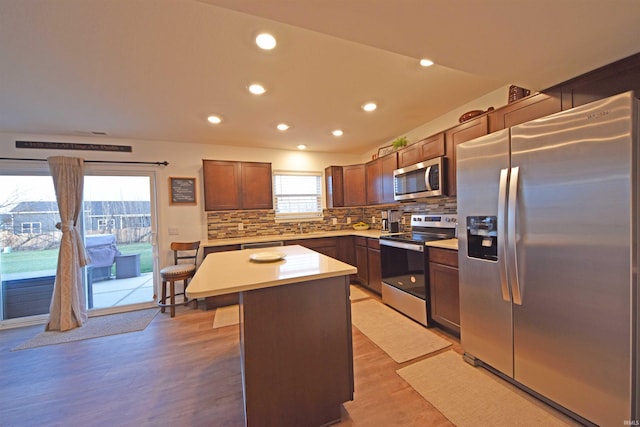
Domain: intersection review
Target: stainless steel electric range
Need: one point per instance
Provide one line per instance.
(405, 264)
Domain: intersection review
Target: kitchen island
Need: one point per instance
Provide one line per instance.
(295, 331)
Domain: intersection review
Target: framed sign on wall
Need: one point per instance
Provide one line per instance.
(182, 191)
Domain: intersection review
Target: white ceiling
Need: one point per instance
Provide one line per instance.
(155, 69)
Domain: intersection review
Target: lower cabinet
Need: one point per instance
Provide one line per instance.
(445, 296)
(362, 263)
(375, 270)
(325, 245)
(367, 252)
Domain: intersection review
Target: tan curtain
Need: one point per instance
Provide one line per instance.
(68, 309)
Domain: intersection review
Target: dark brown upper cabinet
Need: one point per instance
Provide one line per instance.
(230, 185)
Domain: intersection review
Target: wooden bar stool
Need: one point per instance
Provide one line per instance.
(177, 272)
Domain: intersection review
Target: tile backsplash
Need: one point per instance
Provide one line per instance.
(247, 223)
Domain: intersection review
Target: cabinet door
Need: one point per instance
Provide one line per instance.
(409, 155)
(325, 245)
(612, 79)
(432, 147)
(373, 173)
(354, 185)
(425, 149)
(257, 188)
(346, 253)
(375, 270)
(445, 296)
(530, 108)
(465, 132)
(334, 186)
(221, 185)
(362, 265)
(389, 163)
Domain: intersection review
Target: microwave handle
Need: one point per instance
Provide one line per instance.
(426, 178)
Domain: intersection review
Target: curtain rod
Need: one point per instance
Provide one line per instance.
(165, 163)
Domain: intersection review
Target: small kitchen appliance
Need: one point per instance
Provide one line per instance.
(405, 264)
(424, 179)
(384, 227)
(394, 218)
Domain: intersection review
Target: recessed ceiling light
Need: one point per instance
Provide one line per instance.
(283, 126)
(337, 132)
(426, 62)
(302, 147)
(214, 119)
(266, 41)
(369, 106)
(257, 89)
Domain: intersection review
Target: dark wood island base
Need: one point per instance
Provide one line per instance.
(297, 353)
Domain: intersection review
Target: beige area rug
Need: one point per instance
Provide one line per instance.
(470, 396)
(398, 336)
(226, 316)
(357, 294)
(94, 327)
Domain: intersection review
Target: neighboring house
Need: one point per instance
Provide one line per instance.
(100, 216)
(108, 216)
(34, 217)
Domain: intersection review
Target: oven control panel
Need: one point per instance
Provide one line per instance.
(437, 220)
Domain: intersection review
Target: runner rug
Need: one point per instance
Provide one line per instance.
(398, 336)
(356, 293)
(95, 327)
(226, 316)
(472, 397)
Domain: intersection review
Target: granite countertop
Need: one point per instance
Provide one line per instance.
(233, 271)
(278, 237)
(375, 234)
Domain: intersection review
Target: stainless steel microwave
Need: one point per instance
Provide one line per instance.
(423, 179)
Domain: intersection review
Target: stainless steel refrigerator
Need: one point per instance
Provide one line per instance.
(548, 256)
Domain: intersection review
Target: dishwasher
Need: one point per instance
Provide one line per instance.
(258, 245)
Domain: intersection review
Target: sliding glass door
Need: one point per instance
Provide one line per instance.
(29, 244)
(118, 224)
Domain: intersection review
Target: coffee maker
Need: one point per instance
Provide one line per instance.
(394, 217)
(384, 222)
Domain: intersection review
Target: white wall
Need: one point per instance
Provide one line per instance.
(185, 160)
(495, 99)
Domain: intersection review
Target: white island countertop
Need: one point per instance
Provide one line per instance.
(444, 244)
(233, 271)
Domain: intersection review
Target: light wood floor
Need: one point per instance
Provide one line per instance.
(178, 372)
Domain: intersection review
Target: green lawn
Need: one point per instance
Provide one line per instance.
(25, 261)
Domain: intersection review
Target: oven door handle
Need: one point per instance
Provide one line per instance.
(402, 245)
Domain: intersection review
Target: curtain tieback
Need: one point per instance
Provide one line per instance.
(65, 226)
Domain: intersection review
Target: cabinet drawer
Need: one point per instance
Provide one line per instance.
(360, 241)
(373, 243)
(443, 256)
(211, 249)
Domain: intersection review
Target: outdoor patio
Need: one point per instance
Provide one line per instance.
(115, 292)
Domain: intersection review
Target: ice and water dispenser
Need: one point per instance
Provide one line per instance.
(482, 237)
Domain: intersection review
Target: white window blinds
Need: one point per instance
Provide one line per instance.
(297, 195)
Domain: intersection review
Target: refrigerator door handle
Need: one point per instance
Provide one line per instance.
(511, 235)
(427, 181)
(502, 232)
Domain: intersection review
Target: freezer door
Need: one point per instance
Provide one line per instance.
(575, 221)
(485, 309)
